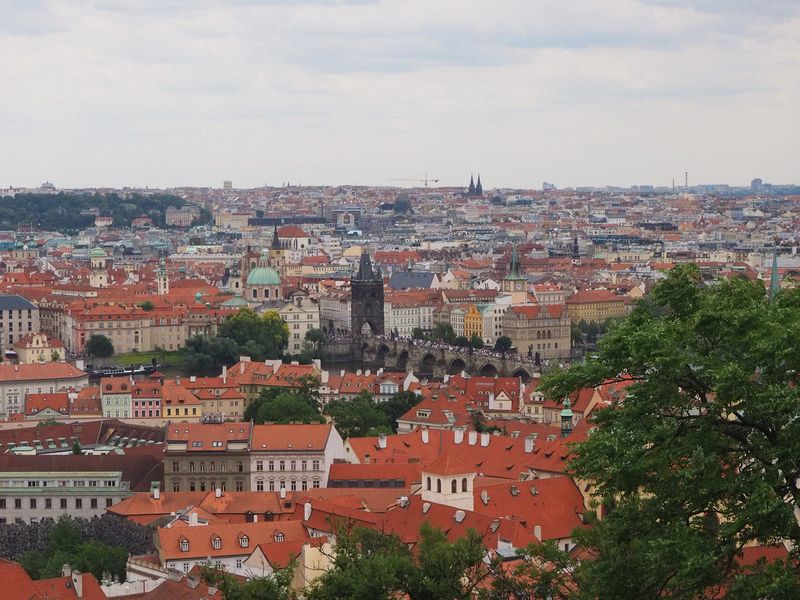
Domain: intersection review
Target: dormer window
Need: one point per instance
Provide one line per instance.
(279, 537)
(216, 543)
(184, 545)
(244, 541)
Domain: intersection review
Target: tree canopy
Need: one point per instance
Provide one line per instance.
(700, 456)
(99, 346)
(294, 405)
(259, 336)
(362, 416)
(503, 344)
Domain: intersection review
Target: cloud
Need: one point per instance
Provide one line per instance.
(601, 91)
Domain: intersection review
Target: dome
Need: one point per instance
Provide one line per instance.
(97, 252)
(198, 296)
(237, 302)
(263, 276)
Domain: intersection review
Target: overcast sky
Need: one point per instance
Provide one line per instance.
(581, 92)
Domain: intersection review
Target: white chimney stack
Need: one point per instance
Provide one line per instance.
(424, 435)
(530, 442)
(537, 531)
(156, 493)
(224, 374)
(458, 435)
(382, 441)
(307, 511)
(77, 583)
(472, 437)
(484, 438)
(283, 493)
(193, 519)
(218, 493)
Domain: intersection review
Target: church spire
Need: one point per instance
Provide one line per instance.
(479, 187)
(471, 188)
(513, 272)
(774, 282)
(365, 270)
(276, 243)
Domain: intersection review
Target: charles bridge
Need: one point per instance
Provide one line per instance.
(427, 359)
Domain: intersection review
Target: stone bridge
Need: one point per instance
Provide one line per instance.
(438, 361)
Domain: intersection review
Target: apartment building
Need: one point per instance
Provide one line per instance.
(16, 381)
(18, 317)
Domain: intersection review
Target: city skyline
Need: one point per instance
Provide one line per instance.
(331, 93)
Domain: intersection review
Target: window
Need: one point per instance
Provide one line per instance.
(282, 465)
(2, 502)
(428, 484)
(259, 465)
(18, 503)
(185, 548)
(438, 486)
(239, 486)
(293, 484)
(464, 484)
(271, 465)
(191, 467)
(271, 485)
(186, 565)
(48, 503)
(453, 486)
(279, 537)
(260, 485)
(304, 485)
(244, 541)
(78, 503)
(216, 543)
(192, 486)
(33, 502)
(316, 483)
(303, 465)
(93, 503)
(293, 465)
(238, 563)
(109, 502)
(315, 465)
(63, 503)
(176, 486)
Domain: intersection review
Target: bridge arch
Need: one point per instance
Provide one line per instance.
(402, 360)
(522, 374)
(427, 364)
(488, 370)
(383, 350)
(456, 366)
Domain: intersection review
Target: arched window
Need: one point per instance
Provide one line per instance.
(464, 484)
(184, 545)
(429, 484)
(216, 543)
(278, 537)
(453, 486)
(549, 334)
(244, 541)
(438, 486)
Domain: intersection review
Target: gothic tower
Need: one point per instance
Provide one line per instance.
(479, 187)
(471, 189)
(366, 292)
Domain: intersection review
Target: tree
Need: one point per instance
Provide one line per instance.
(99, 346)
(147, 306)
(476, 341)
(264, 336)
(503, 344)
(55, 356)
(76, 447)
(461, 341)
(699, 456)
(316, 336)
(372, 565)
(204, 356)
(275, 586)
(359, 417)
(443, 332)
(286, 407)
(398, 405)
(418, 333)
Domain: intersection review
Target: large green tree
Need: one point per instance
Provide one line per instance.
(99, 346)
(263, 336)
(700, 455)
(281, 405)
(358, 417)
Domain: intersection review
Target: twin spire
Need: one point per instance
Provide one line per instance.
(475, 189)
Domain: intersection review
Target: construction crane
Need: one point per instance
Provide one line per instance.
(425, 180)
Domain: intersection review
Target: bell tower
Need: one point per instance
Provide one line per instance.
(163, 278)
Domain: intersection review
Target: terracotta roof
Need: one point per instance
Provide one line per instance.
(449, 464)
(41, 372)
(591, 296)
(298, 438)
(38, 402)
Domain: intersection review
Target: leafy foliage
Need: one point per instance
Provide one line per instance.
(476, 341)
(372, 565)
(279, 405)
(362, 416)
(702, 455)
(503, 344)
(258, 336)
(205, 355)
(68, 213)
(99, 346)
(100, 545)
(443, 332)
(276, 586)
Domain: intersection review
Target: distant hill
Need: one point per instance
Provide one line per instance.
(69, 213)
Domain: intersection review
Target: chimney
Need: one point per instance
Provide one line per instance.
(218, 493)
(307, 511)
(283, 493)
(193, 378)
(458, 435)
(156, 493)
(241, 367)
(459, 516)
(382, 441)
(537, 531)
(530, 442)
(472, 437)
(77, 583)
(367, 373)
(224, 374)
(484, 497)
(177, 380)
(66, 570)
(424, 435)
(192, 519)
(484, 438)
(358, 372)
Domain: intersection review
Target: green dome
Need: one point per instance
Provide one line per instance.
(98, 252)
(263, 276)
(236, 302)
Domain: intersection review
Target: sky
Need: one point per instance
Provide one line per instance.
(171, 93)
